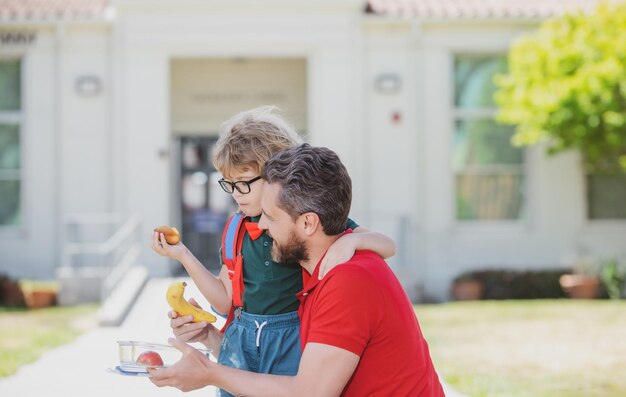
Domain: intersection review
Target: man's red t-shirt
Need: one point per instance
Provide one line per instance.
(361, 307)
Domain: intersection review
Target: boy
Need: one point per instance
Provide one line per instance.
(264, 335)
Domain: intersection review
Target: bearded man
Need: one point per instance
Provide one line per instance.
(359, 333)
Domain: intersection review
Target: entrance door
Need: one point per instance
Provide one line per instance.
(204, 206)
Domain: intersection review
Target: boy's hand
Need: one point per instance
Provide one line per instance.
(187, 331)
(161, 247)
(339, 252)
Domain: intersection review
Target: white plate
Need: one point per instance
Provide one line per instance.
(118, 370)
(137, 367)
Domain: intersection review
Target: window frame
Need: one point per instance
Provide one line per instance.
(460, 114)
(16, 117)
(610, 225)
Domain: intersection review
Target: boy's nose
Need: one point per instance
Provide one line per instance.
(236, 193)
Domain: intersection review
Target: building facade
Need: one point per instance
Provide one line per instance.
(113, 107)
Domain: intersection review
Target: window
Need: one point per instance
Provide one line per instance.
(10, 159)
(488, 170)
(606, 196)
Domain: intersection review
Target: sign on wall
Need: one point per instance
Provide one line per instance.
(10, 38)
(206, 92)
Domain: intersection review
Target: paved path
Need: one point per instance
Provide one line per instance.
(79, 369)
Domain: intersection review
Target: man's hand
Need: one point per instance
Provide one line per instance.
(191, 372)
(324, 371)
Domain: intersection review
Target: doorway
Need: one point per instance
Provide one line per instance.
(205, 92)
(204, 207)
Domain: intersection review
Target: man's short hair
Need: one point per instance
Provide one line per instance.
(313, 179)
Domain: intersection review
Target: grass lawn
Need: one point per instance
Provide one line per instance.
(26, 334)
(539, 348)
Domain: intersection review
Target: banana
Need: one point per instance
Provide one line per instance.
(176, 300)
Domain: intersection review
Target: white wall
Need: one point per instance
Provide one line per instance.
(84, 178)
(393, 153)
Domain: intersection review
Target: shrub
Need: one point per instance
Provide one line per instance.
(515, 284)
(566, 85)
(10, 292)
(613, 275)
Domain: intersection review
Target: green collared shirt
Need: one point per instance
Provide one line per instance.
(270, 287)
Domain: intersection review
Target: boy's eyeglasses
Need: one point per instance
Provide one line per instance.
(242, 187)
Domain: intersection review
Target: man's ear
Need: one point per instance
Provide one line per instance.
(310, 223)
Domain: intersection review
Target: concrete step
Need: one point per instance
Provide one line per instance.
(115, 308)
(80, 285)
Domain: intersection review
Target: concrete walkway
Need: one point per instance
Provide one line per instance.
(79, 369)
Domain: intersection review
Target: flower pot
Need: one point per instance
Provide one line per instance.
(580, 286)
(463, 290)
(11, 294)
(40, 299)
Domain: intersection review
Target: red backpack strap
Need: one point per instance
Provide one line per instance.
(237, 279)
(232, 243)
(229, 319)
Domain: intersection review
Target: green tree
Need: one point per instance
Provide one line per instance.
(566, 85)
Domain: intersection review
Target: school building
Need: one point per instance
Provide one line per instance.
(109, 110)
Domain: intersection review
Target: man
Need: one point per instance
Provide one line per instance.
(359, 333)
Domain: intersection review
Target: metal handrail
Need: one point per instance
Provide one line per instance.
(107, 247)
(118, 253)
(119, 271)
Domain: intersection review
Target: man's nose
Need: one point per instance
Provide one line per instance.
(262, 224)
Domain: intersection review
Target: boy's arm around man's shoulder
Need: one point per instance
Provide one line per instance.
(360, 239)
(375, 241)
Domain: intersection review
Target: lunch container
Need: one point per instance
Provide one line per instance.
(131, 351)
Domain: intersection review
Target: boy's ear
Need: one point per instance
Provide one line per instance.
(310, 222)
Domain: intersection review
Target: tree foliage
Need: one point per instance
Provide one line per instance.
(566, 85)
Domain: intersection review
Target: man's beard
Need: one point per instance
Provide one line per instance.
(293, 252)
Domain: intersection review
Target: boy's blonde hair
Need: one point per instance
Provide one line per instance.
(250, 138)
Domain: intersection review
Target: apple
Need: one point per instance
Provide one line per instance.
(150, 358)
